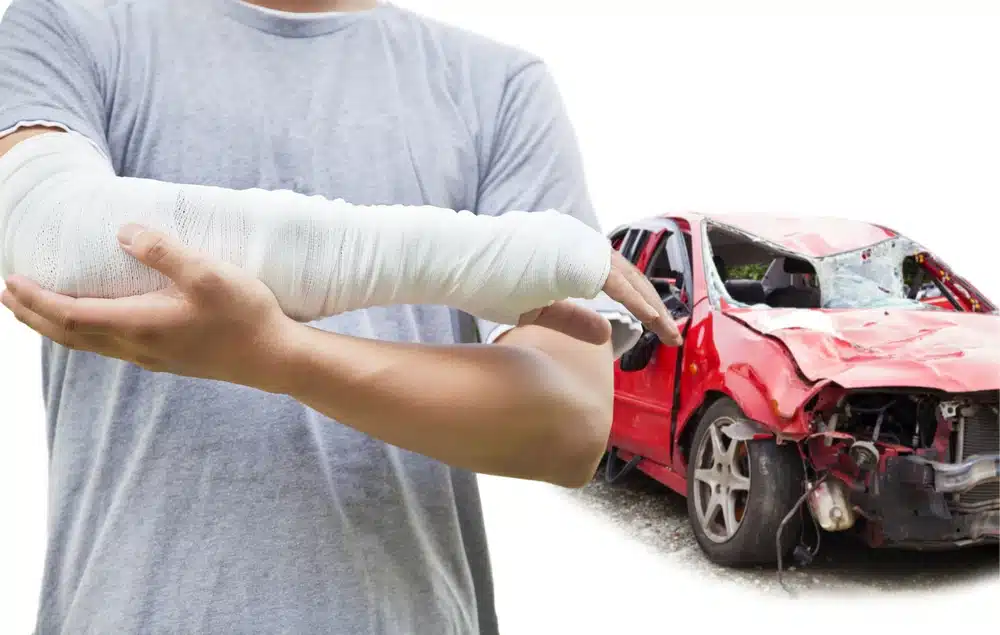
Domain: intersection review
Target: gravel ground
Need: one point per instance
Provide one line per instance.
(654, 515)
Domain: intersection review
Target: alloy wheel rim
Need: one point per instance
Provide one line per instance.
(721, 482)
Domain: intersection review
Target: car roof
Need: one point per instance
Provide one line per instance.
(816, 237)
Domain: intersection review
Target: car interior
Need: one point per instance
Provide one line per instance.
(754, 274)
(667, 277)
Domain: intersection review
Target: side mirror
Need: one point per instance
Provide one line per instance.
(638, 357)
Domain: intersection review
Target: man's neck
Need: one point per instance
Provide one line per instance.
(314, 6)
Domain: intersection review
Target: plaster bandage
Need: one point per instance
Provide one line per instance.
(61, 205)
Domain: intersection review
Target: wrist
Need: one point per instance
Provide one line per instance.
(281, 357)
(584, 261)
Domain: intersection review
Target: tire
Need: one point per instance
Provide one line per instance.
(763, 481)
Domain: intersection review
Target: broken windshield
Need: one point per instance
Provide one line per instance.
(869, 278)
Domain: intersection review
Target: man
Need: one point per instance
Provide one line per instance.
(284, 478)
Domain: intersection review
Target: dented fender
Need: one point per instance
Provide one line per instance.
(775, 401)
(724, 357)
(763, 379)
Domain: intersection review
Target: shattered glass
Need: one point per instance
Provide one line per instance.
(716, 287)
(868, 278)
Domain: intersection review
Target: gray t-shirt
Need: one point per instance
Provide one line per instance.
(187, 506)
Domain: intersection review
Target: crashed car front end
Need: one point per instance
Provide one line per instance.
(907, 468)
(893, 402)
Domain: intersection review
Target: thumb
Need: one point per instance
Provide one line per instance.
(571, 319)
(162, 253)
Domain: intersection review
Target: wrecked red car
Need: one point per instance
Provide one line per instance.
(834, 376)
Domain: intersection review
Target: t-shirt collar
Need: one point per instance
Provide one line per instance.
(291, 24)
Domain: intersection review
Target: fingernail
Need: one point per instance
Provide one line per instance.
(11, 284)
(128, 233)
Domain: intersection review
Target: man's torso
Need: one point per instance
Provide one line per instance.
(189, 506)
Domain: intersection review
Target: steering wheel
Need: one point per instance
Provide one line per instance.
(671, 294)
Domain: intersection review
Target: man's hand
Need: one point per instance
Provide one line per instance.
(214, 322)
(626, 285)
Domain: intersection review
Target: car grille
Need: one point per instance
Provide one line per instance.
(981, 436)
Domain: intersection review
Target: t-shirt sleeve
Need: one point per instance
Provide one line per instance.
(51, 72)
(535, 164)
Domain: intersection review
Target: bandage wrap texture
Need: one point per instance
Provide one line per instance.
(61, 206)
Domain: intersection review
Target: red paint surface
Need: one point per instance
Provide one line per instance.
(950, 351)
(940, 302)
(967, 296)
(816, 237)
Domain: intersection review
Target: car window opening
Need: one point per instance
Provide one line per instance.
(668, 277)
(749, 273)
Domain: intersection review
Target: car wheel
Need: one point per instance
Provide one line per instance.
(738, 492)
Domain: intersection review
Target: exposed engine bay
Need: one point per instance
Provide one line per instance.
(903, 467)
(876, 424)
(897, 419)
(932, 441)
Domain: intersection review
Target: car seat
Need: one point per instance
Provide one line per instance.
(743, 291)
(793, 297)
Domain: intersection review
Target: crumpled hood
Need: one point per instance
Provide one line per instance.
(943, 350)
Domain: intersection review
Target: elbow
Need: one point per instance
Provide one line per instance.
(563, 417)
(579, 437)
(577, 459)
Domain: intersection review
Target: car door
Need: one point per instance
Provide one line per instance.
(644, 398)
(630, 242)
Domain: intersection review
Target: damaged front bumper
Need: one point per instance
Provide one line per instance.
(924, 504)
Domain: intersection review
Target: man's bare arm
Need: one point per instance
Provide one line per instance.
(9, 141)
(535, 405)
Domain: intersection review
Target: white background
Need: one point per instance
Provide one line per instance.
(843, 109)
